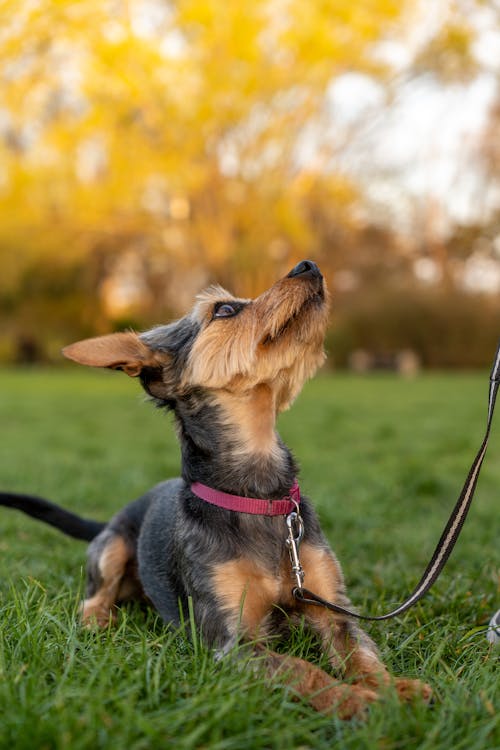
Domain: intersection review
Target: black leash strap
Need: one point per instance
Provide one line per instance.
(449, 535)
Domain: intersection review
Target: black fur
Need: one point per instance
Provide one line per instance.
(67, 522)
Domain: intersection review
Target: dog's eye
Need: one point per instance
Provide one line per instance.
(225, 310)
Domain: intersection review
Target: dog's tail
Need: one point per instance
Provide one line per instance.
(67, 522)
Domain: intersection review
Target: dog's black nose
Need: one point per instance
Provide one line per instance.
(306, 268)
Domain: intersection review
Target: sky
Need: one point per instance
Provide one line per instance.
(422, 148)
(414, 143)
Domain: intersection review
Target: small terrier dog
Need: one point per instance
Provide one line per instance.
(226, 370)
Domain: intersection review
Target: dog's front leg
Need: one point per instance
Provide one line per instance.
(349, 648)
(363, 665)
(245, 596)
(314, 685)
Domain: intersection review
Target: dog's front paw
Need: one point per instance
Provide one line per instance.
(347, 701)
(410, 690)
(328, 695)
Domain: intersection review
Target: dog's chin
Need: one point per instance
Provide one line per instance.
(312, 311)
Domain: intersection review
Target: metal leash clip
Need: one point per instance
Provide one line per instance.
(295, 527)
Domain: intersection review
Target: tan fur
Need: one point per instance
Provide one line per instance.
(259, 346)
(250, 419)
(249, 593)
(119, 351)
(362, 666)
(324, 577)
(222, 351)
(112, 564)
(313, 684)
(246, 592)
(323, 571)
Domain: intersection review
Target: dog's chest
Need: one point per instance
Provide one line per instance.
(243, 586)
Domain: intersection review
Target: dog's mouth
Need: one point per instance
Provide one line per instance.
(315, 302)
(305, 287)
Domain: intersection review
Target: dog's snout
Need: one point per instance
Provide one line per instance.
(306, 268)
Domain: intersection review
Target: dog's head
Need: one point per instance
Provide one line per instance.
(225, 343)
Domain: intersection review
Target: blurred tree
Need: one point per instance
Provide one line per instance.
(159, 140)
(149, 147)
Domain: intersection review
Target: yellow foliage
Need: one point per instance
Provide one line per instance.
(169, 126)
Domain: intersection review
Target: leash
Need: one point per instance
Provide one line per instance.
(444, 547)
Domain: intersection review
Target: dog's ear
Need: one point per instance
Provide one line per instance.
(119, 351)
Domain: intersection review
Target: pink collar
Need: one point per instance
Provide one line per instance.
(253, 505)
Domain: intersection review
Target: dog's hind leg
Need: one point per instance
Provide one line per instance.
(109, 558)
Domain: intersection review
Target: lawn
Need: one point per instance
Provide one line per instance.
(383, 458)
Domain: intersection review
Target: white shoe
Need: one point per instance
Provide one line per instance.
(493, 632)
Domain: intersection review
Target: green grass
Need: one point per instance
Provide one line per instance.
(384, 460)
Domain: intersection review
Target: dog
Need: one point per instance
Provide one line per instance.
(226, 370)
